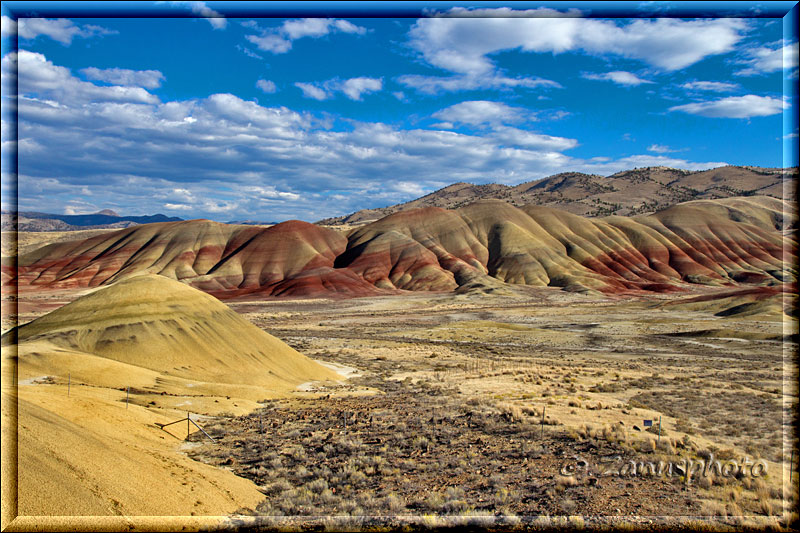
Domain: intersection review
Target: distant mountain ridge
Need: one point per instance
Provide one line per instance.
(631, 192)
(37, 221)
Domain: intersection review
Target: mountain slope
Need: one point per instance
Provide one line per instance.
(638, 191)
(158, 324)
(485, 244)
(290, 259)
(35, 221)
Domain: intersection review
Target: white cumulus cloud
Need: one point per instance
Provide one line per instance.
(41, 77)
(353, 88)
(713, 86)
(766, 59)
(747, 106)
(149, 79)
(268, 86)
(312, 91)
(483, 112)
(8, 26)
(661, 149)
(279, 40)
(619, 77)
(217, 21)
(461, 43)
(61, 30)
(470, 82)
(123, 144)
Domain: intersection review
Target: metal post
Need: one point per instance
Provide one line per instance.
(659, 430)
(544, 408)
(127, 395)
(188, 427)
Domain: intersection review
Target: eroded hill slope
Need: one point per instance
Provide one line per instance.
(744, 240)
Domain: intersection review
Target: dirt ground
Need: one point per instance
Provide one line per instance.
(459, 386)
(503, 412)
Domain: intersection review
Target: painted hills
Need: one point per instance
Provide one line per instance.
(747, 241)
(156, 324)
(175, 349)
(632, 192)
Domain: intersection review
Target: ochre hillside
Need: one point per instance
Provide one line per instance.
(631, 192)
(155, 323)
(728, 241)
(84, 450)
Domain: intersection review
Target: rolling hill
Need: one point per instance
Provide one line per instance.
(632, 192)
(36, 221)
(174, 349)
(730, 241)
(155, 323)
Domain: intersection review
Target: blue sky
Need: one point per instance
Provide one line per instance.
(211, 116)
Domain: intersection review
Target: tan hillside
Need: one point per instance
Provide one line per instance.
(638, 191)
(89, 453)
(716, 242)
(22, 242)
(161, 325)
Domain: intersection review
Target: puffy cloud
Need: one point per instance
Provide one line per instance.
(8, 26)
(312, 91)
(714, 86)
(461, 42)
(270, 42)
(40, 77)
(267, 86)
(527, 139)
(297, 29)
(61, 30)
(471, 82)
(353, 88)
(149, 79)
(746, 106)
(661, 149)
(596, 166)
(144, 156)
(483, 112)
(217, 21)
(765, 59)
(279, 40)
(178, 207)
(619, 77)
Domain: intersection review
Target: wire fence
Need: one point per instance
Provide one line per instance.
(126, 397)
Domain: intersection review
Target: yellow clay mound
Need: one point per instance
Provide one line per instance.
(156, 323)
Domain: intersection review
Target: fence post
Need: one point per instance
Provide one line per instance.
(659, 430)
(187, 424)
(127, 395)
(544, 408)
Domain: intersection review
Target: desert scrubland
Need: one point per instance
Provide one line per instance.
(476, 394)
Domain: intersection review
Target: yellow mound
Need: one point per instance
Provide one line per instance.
(159, 324)
(83, 451)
